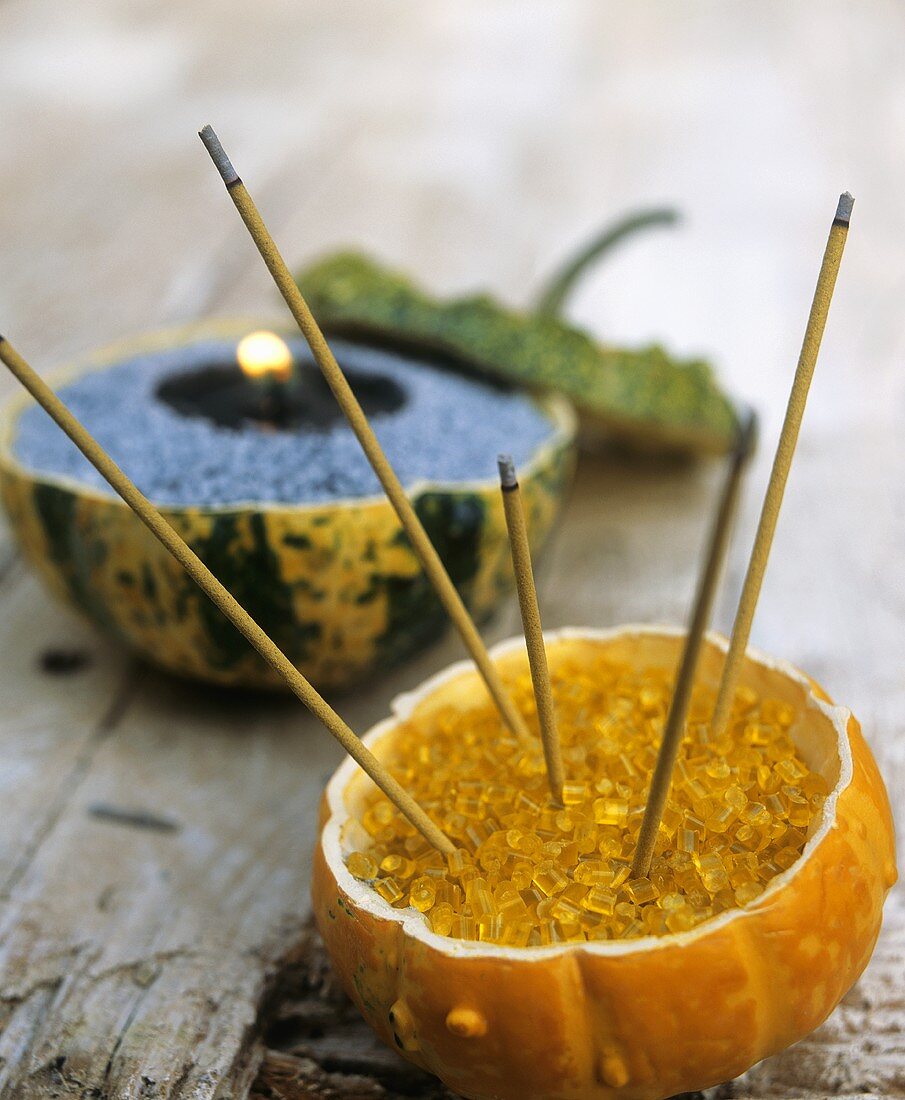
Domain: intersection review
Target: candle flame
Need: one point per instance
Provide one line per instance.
(263, 353)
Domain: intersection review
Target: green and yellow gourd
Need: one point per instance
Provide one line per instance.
(336, 585)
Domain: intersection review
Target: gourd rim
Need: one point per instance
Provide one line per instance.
(557, 410)
(415, 924)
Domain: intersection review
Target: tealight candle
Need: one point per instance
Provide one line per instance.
(259, 383)
(266, 359)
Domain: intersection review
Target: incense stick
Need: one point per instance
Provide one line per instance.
(534, 637)
(785, 452)
(674, 729)
(209, 584)
(414, 529)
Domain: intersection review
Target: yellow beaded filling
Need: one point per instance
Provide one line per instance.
(527, 872)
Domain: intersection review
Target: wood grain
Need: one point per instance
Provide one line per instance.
(472, 144)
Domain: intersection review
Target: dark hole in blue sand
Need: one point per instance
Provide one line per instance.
(222, 394)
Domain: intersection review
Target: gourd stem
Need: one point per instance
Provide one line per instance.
(557, 288)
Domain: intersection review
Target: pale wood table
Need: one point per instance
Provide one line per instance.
(471, 143)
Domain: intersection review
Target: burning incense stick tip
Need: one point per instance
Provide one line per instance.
(844, 209)
(218, 156)
(508, 478)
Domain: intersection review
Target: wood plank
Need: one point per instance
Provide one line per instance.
(468, 146)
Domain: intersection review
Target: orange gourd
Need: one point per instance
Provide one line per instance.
(638, 1019)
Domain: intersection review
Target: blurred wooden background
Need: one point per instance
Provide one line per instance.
(473, 144)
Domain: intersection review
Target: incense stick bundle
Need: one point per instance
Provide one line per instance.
(674, 730)
(785, 452)
(534, 636)
(414, 529)
(220, 596)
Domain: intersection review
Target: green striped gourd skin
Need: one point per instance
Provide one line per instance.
(644, 396)
(335, 585)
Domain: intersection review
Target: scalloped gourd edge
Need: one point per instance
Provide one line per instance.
(642, 396)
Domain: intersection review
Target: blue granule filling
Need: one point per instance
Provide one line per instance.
(450, 428)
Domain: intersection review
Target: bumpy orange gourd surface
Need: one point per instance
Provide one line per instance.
(645, 1017)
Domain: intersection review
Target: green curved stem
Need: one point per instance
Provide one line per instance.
(559, 285)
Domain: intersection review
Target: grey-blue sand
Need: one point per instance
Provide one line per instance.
(450, 428)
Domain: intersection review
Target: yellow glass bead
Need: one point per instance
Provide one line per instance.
(458, 861)
(441, 918)
(565, 911)
(422, 894)
(594, 872)
(756, 814)
(790, 771)
(389, 889)
(686, 841)
(610, 811)
(798, 807)
(718, 769)
(362, 866)
(464, 927)
(672, 818)
(490, 927)
(654, 921)
(586, 837)
(621, 871)
(768, 780)
(574, 794)
(600, 899)
(568, 855)
(549, 879)
(521, 875)
(712, 872)
(720, 820)
(513, 908)
(378, 817)
(398, 866)
(756, 734)
(478, 897)
(736, 798)
(641, 890)
(775, 805)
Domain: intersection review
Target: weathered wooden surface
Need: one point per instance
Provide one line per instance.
(472, 143)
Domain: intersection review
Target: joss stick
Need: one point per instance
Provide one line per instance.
(209, 584)
(534, 638)
(411, 524)
(674, 729)
(785, 452)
